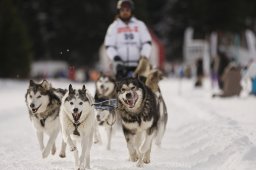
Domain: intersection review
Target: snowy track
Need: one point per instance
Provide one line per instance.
(202, 133)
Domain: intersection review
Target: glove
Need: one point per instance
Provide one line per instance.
(117, 58)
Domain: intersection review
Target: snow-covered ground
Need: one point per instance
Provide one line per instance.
(202, 133)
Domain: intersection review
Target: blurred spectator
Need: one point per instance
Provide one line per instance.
(222, 63)
(231, 81)
(251, 75)
(187, 71)
(214, 70)
(199, 72)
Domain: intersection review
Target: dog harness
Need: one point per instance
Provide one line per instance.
(42, 121)
(76, 131)
(106, 105)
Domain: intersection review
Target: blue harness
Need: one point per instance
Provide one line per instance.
(109, 105)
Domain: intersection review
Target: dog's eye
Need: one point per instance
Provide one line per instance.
(30, 96)
(39, 96)
(71, 103)
(122, 90)
(133, 88)
(80, 103)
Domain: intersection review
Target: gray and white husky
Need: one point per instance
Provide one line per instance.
(137, 107)
(105, 91)
(77, 117)
(43, 107)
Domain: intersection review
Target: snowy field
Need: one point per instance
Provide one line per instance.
(202, 133)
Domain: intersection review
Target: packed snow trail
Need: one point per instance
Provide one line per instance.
(202, 133)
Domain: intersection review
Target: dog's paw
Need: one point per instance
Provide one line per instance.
(53, 151)
(72, 148)
(134, 157)
(45, 153)
(140, 164)
(96, 141)
(79, 168)
(158, 143)
(146, 160)
(108, 148)
(62, 155)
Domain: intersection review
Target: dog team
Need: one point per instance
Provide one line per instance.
(140, 111)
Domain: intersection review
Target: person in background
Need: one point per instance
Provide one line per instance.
(231, 81)
(223, 62)
(199, 72)
(127, 39)
(250, 74)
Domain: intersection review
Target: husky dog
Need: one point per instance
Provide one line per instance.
(105, 90)
(151, 77)
(43, 106)
(152, 81)
(143, 69)
(77, 119)
(137, 107)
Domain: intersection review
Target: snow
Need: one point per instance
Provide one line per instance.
(203, 133)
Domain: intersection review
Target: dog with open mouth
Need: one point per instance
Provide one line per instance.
(77, 117)
(43, 103)
(137, 107)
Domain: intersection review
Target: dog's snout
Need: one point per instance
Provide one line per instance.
(128, 95)
(32, 105)
(75, 110)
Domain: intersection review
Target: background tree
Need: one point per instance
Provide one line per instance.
(74, 31)
(15, 46)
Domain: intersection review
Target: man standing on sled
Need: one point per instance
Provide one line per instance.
(127, 39)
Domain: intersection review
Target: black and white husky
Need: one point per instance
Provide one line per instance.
(43, 107)
(106, 116)
(152, 81)
(151, 77)
(137, 107)
(77, 117)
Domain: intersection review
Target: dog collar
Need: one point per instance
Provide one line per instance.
(42, 121)
(76, 131)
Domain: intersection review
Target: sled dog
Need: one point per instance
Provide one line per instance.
(106, 117)
(43, 106)
(143, 69)
(137, 107)
(77, 117)
(152, 82)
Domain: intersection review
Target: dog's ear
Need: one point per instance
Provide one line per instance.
(161, 75)
(84, 89)
(31, 83)
(46, 85)
(112, 78)
(70, 88)
(117, 84)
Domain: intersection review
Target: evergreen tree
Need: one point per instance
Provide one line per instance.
(15, 48)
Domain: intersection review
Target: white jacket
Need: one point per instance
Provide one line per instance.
(128, 41)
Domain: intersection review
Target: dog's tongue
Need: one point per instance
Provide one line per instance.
(130, 102)
(76, 116)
